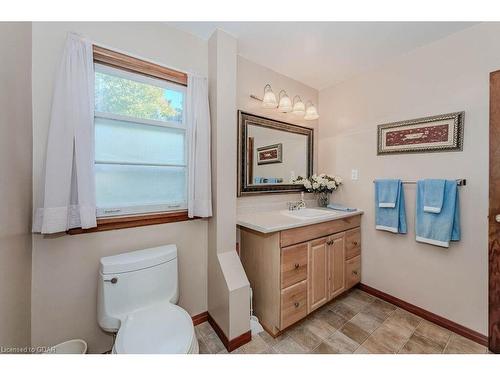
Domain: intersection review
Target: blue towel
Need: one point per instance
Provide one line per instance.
(392, 219)
(433, 195)
(387, 193)
(267, 180)
(438, 229)
(340, 207)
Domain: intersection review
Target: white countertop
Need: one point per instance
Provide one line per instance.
(277, 220)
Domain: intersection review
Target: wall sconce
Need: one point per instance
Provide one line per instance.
(285, 104)
(298, 106)
(311, 112)
(269, 100)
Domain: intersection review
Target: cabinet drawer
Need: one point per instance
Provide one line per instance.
(310, 232)
(352, 243)
(293, 304)
(293, 264)
(352, 271)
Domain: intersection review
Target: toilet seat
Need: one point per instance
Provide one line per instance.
(162, 328)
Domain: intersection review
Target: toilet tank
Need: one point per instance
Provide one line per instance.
(133, 280)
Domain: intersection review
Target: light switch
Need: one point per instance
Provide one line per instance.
(354, 174)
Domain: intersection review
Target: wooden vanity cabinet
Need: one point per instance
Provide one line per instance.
(318, 273)
(295, 271)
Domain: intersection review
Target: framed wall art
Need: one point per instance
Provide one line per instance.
(270, 154)
(427, 134)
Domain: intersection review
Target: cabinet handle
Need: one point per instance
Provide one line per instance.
(354, 272)
(355, 243)
(329, 242)
(296, 265)
(114, 280)
(296, 304)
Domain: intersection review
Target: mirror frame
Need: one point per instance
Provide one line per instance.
(244, 119)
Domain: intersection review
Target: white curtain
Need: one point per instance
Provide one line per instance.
(69, 200)
(198, 132)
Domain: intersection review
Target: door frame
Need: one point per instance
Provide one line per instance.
(494, 209)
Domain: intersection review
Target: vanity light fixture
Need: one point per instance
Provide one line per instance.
(311, 112)
(269, 100)
(298, 106)
(285, 104)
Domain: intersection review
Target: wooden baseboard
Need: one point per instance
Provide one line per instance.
(229, 344)
(439, 320)
(200, 318)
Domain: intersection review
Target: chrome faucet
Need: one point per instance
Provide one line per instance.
(294, 206)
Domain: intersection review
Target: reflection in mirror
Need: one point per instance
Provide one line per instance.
(272, 154)
(275, 156)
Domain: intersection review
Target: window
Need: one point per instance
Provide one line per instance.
(140, 143)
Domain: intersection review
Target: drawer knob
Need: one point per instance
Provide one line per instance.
(296, 304)
(354, 272)
(355, 243)
(296, 265)
(329, 242)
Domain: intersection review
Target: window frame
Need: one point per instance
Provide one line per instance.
(106, 212)
(152, 72)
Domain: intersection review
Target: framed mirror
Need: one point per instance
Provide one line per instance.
(271, 154)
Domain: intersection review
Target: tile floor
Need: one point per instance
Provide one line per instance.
(354, 323)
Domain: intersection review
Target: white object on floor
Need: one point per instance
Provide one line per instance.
(255, 326)
(137, 297)
(76, 346)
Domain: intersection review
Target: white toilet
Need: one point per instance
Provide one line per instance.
(137, 297)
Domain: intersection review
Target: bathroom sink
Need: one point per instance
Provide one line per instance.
(308, 213)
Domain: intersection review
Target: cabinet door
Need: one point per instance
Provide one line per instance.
(318, 273)
(336, 264)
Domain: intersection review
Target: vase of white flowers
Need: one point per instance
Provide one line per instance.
(321, 185)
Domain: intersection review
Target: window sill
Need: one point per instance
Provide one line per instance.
(132, 221)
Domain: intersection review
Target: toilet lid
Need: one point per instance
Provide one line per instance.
(159, 329)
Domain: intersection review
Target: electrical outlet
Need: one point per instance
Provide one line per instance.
(354, 174)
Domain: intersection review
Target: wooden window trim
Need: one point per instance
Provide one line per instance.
(132, 221)
(132, 64)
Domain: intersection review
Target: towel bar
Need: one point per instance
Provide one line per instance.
(460, 182)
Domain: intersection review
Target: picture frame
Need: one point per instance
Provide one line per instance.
(440, 133)
(270, 154)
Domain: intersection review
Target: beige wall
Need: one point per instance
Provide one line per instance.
(228, 286)
(449, 75)
(252, 78)
(15, 184)
(65, 267)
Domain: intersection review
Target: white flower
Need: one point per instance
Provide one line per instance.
(315, 185)
(307, 184)
(338, 180)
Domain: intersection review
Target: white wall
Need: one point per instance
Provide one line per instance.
(449, 75)
(252, 78)
(15, 184)
(228, 286)
(65, 267)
